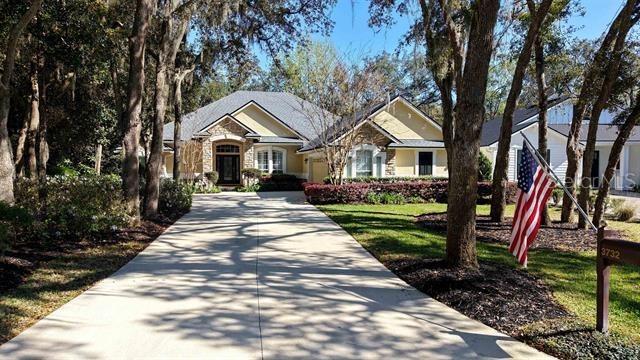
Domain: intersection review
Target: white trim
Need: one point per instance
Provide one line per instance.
(375, 152)
(269, 149)
(215, 138)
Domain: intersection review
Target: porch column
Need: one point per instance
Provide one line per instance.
(270, 157)
(624, 166)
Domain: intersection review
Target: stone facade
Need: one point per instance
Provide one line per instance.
(227, 127)
(248, 154)
(390, 165)
(207, 156)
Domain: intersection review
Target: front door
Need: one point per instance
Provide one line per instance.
(228, 168)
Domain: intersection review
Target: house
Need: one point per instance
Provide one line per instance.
(559, 114)
(271, 131)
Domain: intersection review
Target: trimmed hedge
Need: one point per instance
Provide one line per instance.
(428, 191)
(279, 182)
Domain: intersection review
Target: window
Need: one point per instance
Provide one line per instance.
(226, 148)
(425, 163)
(349, 171)
(379, 166)
(263, 161)
(518, 161)
(278, 164)
(364, 163)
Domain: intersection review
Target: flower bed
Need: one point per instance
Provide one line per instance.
(427, 191)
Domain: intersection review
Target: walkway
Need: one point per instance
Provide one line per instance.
(248, 276)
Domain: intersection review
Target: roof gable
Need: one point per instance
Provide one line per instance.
(255, 116)
(404, 121)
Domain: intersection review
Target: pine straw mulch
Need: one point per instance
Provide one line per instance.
(556, 236)
(23, 258)
(497, 295)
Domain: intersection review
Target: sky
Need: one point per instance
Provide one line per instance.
(352, 33)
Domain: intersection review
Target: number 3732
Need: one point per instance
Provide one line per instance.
(611, 253)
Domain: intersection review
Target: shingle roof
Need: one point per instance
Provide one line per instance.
(417, 143)
(491, 128)
(288, 108)
(606, 132)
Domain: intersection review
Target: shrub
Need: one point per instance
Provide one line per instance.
(13, 219)
(202, 187)
(212, 177)
(485, 168)
(251, 173)
(279, 182)
(427, 191)
(556, 196)
(384, 180)
(373, 198)
(175, 198)
(73, 206)
(624, 212)
(392, 198)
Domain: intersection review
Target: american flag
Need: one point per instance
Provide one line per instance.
(534, 188)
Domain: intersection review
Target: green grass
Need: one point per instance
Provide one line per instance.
(389, 231)
(57, 281)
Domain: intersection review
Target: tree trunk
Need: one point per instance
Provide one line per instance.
(177, 121)
(7, 169)
(43, 144)
(172, 34)
(500, 176)
(610, 76)
(135, 88)
(592, 77)
(98, 162)
(22, 139)
(469, 118)
(34, 122)
(614, 157)
(542, 114)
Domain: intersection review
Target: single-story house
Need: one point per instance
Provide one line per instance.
(272, 131)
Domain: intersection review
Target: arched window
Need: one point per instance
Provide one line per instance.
(270, 159)
(228, 148)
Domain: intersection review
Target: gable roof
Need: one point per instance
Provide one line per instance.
(521, 119)
(339, 130)
(289, 109)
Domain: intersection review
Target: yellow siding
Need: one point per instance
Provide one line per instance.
(294, 161)
(440, 168)
(403, 122)
(262, 123)
(305, 166)
(319, 170)
(405, 162)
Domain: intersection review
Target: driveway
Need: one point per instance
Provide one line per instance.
(248, 276)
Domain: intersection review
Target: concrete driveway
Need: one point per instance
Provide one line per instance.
(246, 276)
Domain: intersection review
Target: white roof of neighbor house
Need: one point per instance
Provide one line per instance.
(289, 109)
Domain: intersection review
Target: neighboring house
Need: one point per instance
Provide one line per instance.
(271, 131)
(559, 118)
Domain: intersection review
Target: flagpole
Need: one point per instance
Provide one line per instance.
(543, 162)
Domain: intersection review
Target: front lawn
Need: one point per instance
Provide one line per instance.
(389, 232)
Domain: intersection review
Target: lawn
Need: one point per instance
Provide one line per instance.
(389, 232)
(68, 273)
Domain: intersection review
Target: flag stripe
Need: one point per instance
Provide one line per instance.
(535, 187)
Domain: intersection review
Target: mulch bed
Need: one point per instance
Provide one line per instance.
(556, 236)
(502, 297)
(23, 258)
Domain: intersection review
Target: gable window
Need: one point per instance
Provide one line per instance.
(263, 161)
(278, 163)
(364, 163)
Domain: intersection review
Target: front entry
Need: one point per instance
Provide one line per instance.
(228, 168)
